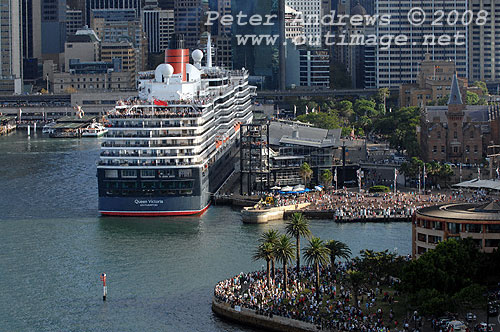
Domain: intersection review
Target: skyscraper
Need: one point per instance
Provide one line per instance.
(484, 43)
(11, 59)
(158, 25)
(260, 60)
(397, 65)
(112, 4)
(31, 23)
(189, 15)
(166, 4)
(31, 37)
(53, 29)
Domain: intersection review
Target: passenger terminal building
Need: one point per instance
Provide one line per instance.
(481, 222)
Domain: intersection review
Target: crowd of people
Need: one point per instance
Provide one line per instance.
(353, 205)
(332, 309)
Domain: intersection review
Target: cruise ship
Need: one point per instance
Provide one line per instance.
(167, 151)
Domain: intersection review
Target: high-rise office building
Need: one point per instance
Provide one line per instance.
(221, 35)
(484, 43)
(53, 30)
(166, 4)
(31, 23)
(189, 16)
(11, 73)
(112, 4)
(116, 25)
(74, 21)
(31, 37)
(396, 65)
(158, 25)
(259, 60)
(311, 10)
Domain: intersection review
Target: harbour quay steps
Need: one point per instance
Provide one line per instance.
(249, 317)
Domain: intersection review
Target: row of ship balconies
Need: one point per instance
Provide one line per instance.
(152, 154)
(154, 123)
(152, 134)
(148, 163)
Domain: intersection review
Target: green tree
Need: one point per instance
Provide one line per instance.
(326, 178)
(382, 95)
(284, 251)
(365, 107)
(337, 250)
(355, 280)
(305, 173)
(443, 101)
(321, 120)
(298, 226)
(404, 137)
(471, 98)
(452, 266)
(483, 86)
(445, 173)
(316, 253)
(376, 263)
(265, 251)
(412, 169)
(346, 109)
(272, 237)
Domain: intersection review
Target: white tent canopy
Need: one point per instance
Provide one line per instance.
(479, 184)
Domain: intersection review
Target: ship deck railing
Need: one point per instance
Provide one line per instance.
(126, 155)
(152, 126)
(126, 164)
(147, 145)
(153, 136)
(156, 114)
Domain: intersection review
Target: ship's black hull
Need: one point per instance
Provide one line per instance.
(171, 205)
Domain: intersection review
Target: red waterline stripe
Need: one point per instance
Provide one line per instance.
(154, 214)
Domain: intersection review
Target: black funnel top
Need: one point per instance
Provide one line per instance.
(176, 42)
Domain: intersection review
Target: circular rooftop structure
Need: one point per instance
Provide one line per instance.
(489, 211)
(479, 221)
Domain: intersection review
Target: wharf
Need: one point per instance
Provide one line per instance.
(329, 214)
(7, 124)
(249, 317)
(235, 200)
(254, 215)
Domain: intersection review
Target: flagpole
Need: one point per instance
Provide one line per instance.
(419, 177)
(336, 180)
(425, 177)
(395, 180)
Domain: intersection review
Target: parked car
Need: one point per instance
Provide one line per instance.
(470, 317)
(456, 326)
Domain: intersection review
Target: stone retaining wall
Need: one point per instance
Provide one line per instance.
(250, 318)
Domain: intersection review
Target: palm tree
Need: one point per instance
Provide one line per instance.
(326, 178)
(265, 251)
(355, 279)
(284, 253)
(305, 173)
(337, 250)
(272, 237)
(316, 253)
(383, 93)
(298, 226)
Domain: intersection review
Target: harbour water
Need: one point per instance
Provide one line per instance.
(161, 271)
